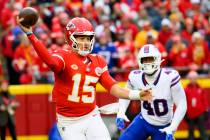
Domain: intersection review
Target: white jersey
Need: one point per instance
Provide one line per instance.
(160, 110)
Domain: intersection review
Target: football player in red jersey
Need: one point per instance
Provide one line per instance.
(76, 74)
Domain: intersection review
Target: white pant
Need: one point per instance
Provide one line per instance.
(88, 127)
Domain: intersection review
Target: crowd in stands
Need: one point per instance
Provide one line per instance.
(179, 28)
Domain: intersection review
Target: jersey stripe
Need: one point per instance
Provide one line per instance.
(175, 82)
(104, 69)
(175, 78)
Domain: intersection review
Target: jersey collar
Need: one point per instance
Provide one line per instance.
(155, 82)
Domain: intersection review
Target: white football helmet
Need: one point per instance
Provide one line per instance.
(149, 50)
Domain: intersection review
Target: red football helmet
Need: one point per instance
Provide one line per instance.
(77, 27)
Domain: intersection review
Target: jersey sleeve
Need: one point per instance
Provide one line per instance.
(179, 98)
(129, 84)
(59, 55)
(106, 79)
(175, 77)
(55, 63)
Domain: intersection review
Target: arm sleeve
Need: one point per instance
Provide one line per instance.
(56, 64)
(123, 104)
(107, 81)
(179, 99)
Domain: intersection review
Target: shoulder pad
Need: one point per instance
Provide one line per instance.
(175, 77)
(134, 72)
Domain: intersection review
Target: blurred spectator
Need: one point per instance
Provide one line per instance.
(197, 106)
(6, 18)
(178, 54)
(188, 30)
(205, 7)
(8, 106)
(23, 62)
(59, 21)
(165, 32)
(108, 50)
(142, 17)
(106, 27)
(58, 40)
(163, 18)
(176, 21)
(162, 14)
(126, 54)
(101, 8)
(199, 51)
(128, 26)
(185, 7)
(151, 39)
(2, 76)
(141, 36)
(90, 14)
(9, 42)
(117, 13)
(149, 6)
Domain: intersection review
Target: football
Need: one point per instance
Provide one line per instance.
(30, 16)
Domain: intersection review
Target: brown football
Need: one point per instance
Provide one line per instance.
(29, 15)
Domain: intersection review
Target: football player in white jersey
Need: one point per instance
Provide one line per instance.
(157, 118)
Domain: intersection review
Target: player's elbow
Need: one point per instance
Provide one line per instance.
(183, 106)
(114, 90)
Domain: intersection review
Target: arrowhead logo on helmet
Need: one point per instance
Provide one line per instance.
(70, 26)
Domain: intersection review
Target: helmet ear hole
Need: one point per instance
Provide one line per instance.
(141, 60)
(74, 45)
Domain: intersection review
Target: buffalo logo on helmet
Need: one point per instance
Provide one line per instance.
(146, 49)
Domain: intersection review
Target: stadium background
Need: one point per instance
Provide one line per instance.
(129, 23)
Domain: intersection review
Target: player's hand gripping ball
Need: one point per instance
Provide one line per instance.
(29, 15)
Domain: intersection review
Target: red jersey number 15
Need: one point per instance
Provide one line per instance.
(74, 96)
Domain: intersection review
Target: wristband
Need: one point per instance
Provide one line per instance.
(134, 95)
(29, 33)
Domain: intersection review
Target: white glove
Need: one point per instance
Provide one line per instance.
(168, 130)
(123, 116)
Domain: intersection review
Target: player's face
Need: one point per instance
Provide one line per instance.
(147, 60)
(84, 42)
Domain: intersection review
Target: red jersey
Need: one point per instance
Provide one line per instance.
(75, 84)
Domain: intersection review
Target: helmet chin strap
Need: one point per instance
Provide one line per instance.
(80, 52)
(152, 74)
(152, 77)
